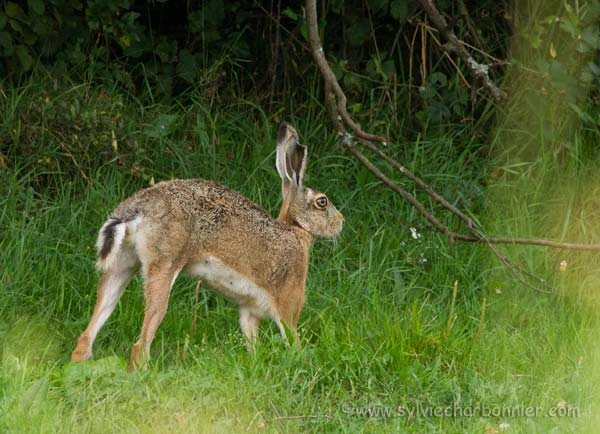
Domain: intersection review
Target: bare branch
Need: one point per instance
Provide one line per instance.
(478, 237)
(422, 184)
(479, 70)
(517, 271)
(329, 76)
(335, 101)
(405, 194)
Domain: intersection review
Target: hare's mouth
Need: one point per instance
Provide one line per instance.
(335, 231)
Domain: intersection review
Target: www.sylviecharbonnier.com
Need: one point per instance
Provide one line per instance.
(418, 410)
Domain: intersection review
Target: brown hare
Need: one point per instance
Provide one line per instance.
(214, 234)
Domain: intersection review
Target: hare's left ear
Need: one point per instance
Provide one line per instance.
(291, 157)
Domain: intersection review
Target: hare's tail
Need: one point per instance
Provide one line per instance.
(109, 242)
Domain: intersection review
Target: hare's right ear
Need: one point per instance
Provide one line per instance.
(291, 158)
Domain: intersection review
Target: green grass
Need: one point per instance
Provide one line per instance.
(375, 329)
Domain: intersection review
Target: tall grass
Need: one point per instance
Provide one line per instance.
(377, 333)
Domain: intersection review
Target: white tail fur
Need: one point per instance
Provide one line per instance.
(109, 242)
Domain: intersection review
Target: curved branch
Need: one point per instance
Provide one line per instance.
(335, 101)
(329, 76)
(335, 104)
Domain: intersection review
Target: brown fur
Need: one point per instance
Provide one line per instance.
(200, 226)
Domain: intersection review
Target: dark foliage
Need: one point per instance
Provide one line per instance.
(390, 61)
(383, 51)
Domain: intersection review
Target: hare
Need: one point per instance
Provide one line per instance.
(214, 234)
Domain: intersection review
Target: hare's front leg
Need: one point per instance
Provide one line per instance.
(290, 314)
(111, 286)
(158, 281)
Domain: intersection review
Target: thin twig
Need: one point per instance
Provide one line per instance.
(519, 272)
(281, 26)
(402, 192)
(307, 416)
(62, 141)
(432, 32)
(479, 70)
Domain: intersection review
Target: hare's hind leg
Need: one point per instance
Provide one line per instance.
(158, 280)
(249, 324)
(110, 288)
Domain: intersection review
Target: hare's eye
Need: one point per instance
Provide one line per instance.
(321, 202)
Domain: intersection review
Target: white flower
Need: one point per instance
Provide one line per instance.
(414, 233)
(503, 426)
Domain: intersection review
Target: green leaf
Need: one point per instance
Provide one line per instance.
(337, 6)
(166, 49)
(125, 40)
(427, 91)
(594, 68)
(569, 27)
(437, 78)
(214, 13)
(162, 126)
(288, 12)
(399, 10)
(6, 41)
(591, 36)
(356, 108)
(187, 68)
(24, 57)
(536, 41)
(389, 68)
(37, 6)
(15, 25)
(358, 31)
(377, 5)
(3, 20)
(13, 10)
(304, 30)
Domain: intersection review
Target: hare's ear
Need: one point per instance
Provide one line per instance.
(296, 161)
(291, 157)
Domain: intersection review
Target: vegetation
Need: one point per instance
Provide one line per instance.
(383, 331)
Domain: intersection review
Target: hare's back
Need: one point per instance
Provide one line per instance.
(189, 200)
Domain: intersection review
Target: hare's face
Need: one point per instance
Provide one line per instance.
(314, 212)
(310, 210)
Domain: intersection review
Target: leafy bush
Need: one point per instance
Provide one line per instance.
(384, 52)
